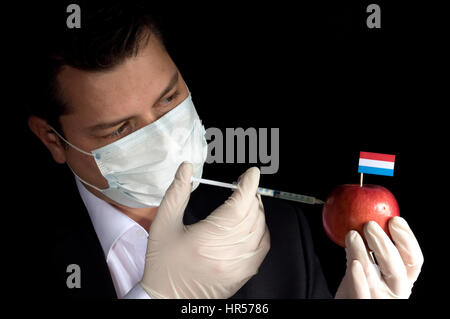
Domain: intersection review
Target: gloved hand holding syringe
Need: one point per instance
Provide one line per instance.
(265, 192)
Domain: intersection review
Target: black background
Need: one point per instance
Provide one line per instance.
(315, 71)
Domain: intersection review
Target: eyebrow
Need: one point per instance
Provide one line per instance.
(173, 81)
(102, 126)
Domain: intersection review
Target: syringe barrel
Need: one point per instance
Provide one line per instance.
(295, 197)
(266, 191)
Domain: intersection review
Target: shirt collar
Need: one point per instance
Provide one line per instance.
(109, 222)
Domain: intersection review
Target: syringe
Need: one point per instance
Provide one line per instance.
(265, 192)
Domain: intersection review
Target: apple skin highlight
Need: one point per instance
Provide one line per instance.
(350, 206)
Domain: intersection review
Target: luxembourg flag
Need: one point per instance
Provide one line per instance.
(376, 163)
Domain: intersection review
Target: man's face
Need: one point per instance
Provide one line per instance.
(108, 105)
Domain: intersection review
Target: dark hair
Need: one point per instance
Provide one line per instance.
(110, 32)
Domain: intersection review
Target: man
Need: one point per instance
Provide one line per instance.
(115, 108)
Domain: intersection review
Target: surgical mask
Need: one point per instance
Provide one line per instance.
(141, 166)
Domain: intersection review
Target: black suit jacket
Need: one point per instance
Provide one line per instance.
(66, 236)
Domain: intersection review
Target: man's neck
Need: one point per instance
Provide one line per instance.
(142, 216)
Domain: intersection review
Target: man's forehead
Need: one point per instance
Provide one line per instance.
(138, 77)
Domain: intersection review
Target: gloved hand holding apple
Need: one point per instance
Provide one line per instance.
(353, 212)
(365, 218)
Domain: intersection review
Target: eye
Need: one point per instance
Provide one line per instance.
(170, 98)
(118, 132)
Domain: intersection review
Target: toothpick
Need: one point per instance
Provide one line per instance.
(361, 180)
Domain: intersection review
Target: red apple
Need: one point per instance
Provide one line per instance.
(350, 206)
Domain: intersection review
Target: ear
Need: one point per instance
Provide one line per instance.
(42, 130)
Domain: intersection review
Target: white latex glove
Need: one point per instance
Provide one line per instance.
(399, 264)
(214, 257)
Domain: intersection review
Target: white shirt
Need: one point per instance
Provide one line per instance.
(124, 244)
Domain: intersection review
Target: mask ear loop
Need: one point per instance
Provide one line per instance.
(83, 181)
(80, 150)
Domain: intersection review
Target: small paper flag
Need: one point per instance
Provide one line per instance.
(376, 163)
